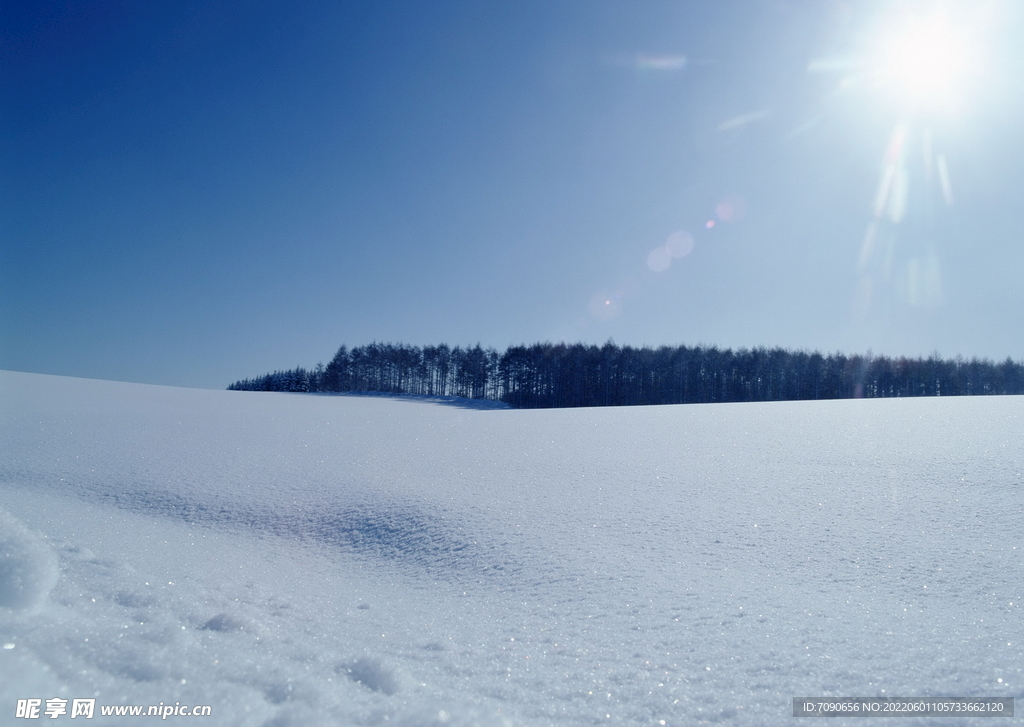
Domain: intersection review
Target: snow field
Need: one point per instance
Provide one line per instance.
(306, 560)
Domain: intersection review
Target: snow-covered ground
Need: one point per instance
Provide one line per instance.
(344, 560)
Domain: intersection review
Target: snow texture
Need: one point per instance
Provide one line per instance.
(28, 568)
(365, 560)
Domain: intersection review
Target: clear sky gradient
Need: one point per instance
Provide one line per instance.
(197, 192)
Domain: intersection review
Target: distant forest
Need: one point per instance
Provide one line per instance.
(547, 375)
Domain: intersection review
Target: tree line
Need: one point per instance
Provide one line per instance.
(546, 375)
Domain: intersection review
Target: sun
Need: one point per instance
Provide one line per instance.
(924, 61)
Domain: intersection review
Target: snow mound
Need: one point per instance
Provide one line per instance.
(372, 674)
(28, 566)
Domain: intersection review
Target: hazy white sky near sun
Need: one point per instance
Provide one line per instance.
(194, 193)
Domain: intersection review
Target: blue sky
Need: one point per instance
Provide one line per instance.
(194, 193)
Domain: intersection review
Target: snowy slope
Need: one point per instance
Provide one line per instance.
(335, 560)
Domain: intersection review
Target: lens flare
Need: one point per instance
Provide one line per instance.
(947, 188)
(604, 305)
(659, 259)
(649, 62)
(738, 122)
(923, 281)
(731, 209)
(679, 244)
(892, 167)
